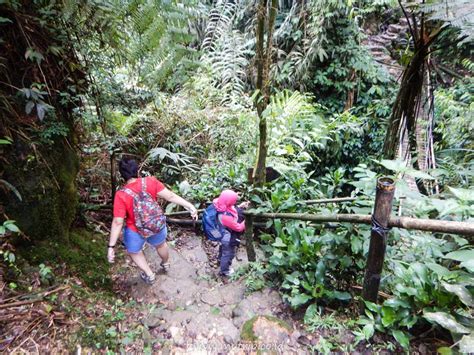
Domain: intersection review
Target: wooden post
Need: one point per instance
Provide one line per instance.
(249, 238)
(378, 237)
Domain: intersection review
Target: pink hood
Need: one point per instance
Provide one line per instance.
(226, 201)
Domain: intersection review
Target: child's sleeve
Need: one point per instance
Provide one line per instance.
(229, 222)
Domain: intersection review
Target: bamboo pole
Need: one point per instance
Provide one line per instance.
(428, 225)
(185, 213)
(378, 238)
(251, 256)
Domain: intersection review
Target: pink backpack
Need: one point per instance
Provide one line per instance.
(149, 217)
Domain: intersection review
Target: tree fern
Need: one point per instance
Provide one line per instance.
(457, 13)
(220, 21)
(164, 39)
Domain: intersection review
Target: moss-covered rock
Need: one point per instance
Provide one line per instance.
(48, 191)
(266, 329)
(84, 253)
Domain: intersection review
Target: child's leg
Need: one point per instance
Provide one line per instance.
(227, 254)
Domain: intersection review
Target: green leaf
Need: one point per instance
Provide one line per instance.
(444, 351)
(402, 338)
(5, 20)
(372, 306)
(419, 174)
(279, 243)
(5, 141)
(460, 291)
(11, 188)
(469, 265)
(11, 227)
(462, 194)
(461, 255)
(299, 300)
(342, 296)
(466, 345)
(388, 316)
(394, 165)
(439, 270)
(447, 321)
(368, 331)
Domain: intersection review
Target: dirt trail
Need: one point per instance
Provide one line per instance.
(196, 310)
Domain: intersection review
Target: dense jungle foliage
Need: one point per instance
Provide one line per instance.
(175, 84)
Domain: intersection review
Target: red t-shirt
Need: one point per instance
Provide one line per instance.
(123, 202)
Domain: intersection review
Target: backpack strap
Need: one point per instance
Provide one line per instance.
(129, 192)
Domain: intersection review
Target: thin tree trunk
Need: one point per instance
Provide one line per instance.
(263, 59)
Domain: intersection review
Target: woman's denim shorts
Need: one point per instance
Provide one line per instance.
(134, 241)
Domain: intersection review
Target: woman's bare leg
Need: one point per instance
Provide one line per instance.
(140, 260)
(163, 252)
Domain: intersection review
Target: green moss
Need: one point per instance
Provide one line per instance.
(84, 253)
(46, 182)
(247, 333)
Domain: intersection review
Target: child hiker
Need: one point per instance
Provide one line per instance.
(230, 224)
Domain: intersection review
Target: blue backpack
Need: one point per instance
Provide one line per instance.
(210, 223)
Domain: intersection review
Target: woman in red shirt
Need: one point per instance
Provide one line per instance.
(123, 211)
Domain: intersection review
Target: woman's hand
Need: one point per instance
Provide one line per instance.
(110, 255)
(193, 211)
(245, 204)
(170, 196)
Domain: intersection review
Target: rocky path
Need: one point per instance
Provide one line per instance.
(196, 311)
(384, 45)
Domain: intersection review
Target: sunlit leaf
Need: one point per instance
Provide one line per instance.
(461, 255)
(460, 291)
(446, 321)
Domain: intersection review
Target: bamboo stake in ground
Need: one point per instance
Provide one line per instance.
(378, 238)
(251, 256)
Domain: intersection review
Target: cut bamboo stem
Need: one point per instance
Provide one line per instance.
(251, 256)
(378, 238)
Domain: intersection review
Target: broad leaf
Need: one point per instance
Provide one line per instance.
(460, 291)
(279, 243)
(394, 165)
(469, 265)
(447, 321)
(466, 345)
(462, 194)
(419, 174)
(461, 255)
(439, 270)
(402, 338)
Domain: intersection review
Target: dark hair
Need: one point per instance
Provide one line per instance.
(128, 168)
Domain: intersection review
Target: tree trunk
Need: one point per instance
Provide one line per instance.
(263, 60)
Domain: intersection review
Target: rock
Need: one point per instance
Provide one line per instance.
(266, 329)
(212, 297)
(228, 339)
(174, 331)
(294, 337)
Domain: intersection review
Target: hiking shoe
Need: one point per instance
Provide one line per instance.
(165, 266)
(228, 273)
(147, 279)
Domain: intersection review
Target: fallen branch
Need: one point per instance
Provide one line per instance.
(40, 298)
